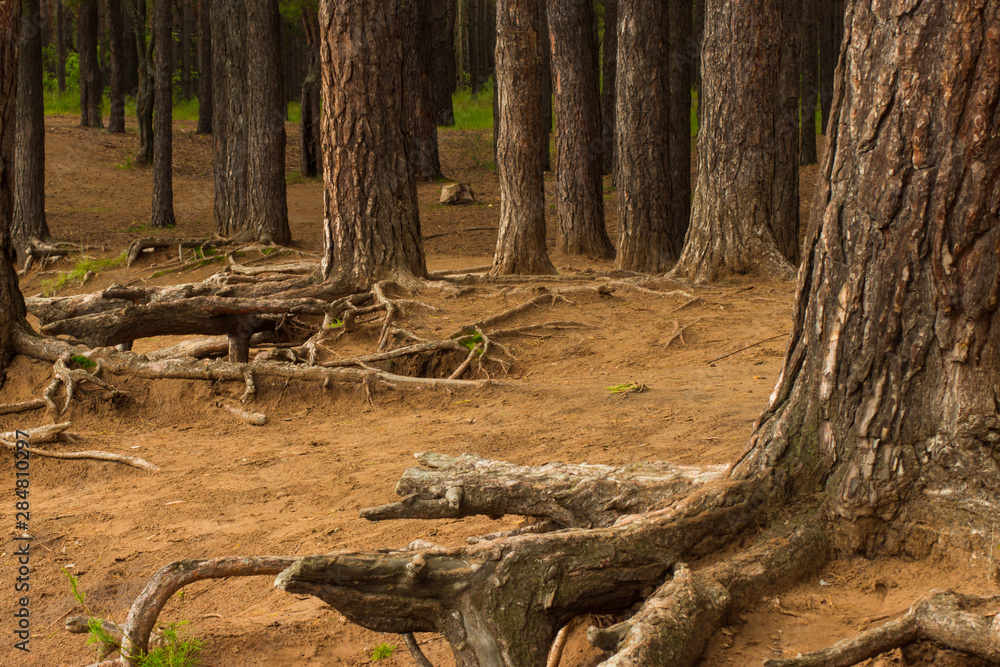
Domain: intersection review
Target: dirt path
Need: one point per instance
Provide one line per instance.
(295, 485)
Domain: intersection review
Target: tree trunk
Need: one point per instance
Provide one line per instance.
(419, 90)
(647, 240)
(163, 152)
(579, 158)
(443, 78)
(229, 125)
(545, 141)
(139, 13)
(886, 400)
(310, 151)
(116, 113)
(12, 311)
(372, 223)
(130, 54)
(745, 212)
(91, 89)
(519, 58)
(61, 31)
(29, 143)
(205, 67)
(827, 16)
(809, 91)
(609, 64)
(185, 49)
(698, 10)
(267, 210)
(680, 118)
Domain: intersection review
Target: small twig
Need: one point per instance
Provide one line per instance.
(678, 333)
(744, 349)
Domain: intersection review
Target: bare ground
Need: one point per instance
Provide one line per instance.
(295, 486)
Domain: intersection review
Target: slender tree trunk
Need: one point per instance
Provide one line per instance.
(12, 310)
(163, 180)
(886, 401)
(267, 210)
(579, 155)
(473, 36)
(138, 12)
(680, 117)
(419, 90)
(91, 89)
(29, 143)
(745, 211)
(311, 159)
(809, 92)
(827, 16)
(130, 61)
(520, 74)
(372, 223)
(443, 78)
(229, 126)
(61, 30)
(116, 114)
(185, 48)
(205, 67)
(647, 240)
(609, 60)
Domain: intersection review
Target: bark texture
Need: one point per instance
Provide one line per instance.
(29, 144)
(311, 159)
(371, 222)
(163, 141)
(886, 400)
(609, 66)
(520, 128)
(267, 209)
(205, 67)
(229, 127)
(809, 88)
(444, 74)
(116, 28)
(421, 106)
(91, 89)
(745, 214)
(579, 155)
(647, 240)
(138, 11)
(680, 118)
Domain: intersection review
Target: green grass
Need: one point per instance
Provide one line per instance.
(383, 651)
(83, 266)
(474, 113)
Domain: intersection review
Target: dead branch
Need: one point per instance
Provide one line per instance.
(250, 417)
(24, 406)
(141, 245)
(56, 432)
(745, 348)
(540, 300)
(297, 268)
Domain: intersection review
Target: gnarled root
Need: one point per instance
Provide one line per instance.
(567, 495)
(57, 432)
(71, 378)
(967, 623)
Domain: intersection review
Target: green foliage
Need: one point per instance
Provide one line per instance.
(83, 266)
(175, 651)
(80, 360)
(336, 324)
(383, 651)
(628, 388)
(474, 112)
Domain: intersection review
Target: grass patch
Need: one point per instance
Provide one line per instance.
(474, 112)
(383, 651)
(82, 268)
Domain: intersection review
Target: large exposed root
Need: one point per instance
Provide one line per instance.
(967, 623)
(58, 432)
(71, 378)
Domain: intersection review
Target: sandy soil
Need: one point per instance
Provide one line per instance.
(295, 485)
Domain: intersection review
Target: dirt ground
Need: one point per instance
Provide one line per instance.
(295, 485)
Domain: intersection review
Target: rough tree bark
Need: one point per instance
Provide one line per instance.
(521, 242)
(421, 106)
(267, 209)
(444, 79)
(745, 214)
(545, 99)
(229, 126)
(29, 143)
(310, 147)
(184, 47)
(116, 96)
(12, 311)
(827, 15)
(579, 156)
(91, 89)
(680, 118)
(609, 65)
(61, 31)
(647, 240)
(205, 67)
(139, 12)
(371, 223)
(809, 89)
(163, 142)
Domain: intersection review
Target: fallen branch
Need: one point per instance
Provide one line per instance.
(25, 406)
(250, 417)
(54, 432)
(744, 349)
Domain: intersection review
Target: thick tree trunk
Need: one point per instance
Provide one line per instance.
(421, 108)
(680, 118)
(267, 210)
(371, 223)
(29, 143)
(809, 90)
(443, 78)
(647, 240)
(205, 67)
(579, 158)
(745, 212)
(545, 141)
(12, 311)
(886, 400)
(116, 25)
(91, 89)
(163, 142)
(310, 147)
(229, 125)
(130, 54)
(698, 10)
(609, 66)
(61, 31)
(521, 242)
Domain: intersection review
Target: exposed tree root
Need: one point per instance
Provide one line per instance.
(414, 648)
(250, 417)
(967, 623)
(56, 432)
(24, 406)
(71, 378)
(141, 245)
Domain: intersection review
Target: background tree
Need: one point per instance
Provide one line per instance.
(29, 143)
(372, 223)
(163, 142)
(62, 30)
(579, 154)
(609, 68)
(267, 210)
(205, 67)
(830, 26)
(311, 146)
(91, 88)
(139, 13)
(809, 89)
(422, 107)
(745, 213)
(229, 161)
(116, 96)
(444, 78)
(520, 124)
(647, 239)
(681, 39)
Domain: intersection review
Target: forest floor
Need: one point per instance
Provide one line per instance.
(295, 485)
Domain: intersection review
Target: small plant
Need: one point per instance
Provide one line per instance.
(267, 251)
(127, 163)
(472, 340)
(383, 651)
(82, 361)
(82, 268)
(628, 388)
(336, 324)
